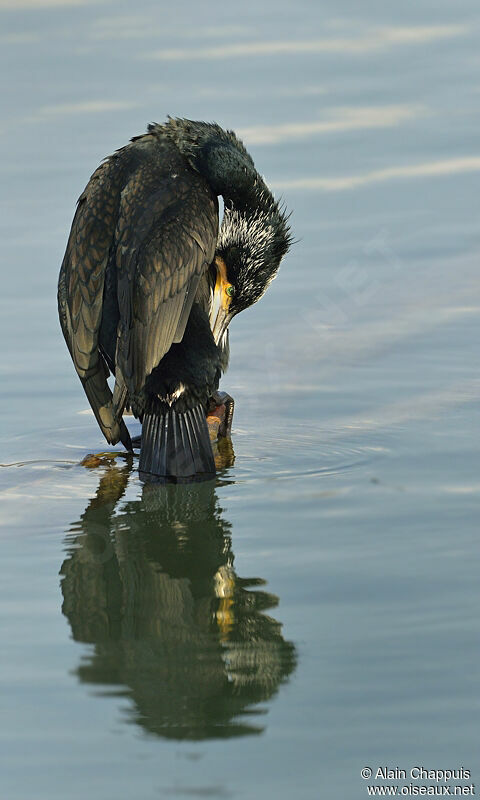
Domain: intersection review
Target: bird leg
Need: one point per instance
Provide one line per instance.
(221, 408)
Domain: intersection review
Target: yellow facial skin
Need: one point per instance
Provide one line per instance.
(223, 288)
(222, 298)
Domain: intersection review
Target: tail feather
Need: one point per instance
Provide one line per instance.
(176, 446)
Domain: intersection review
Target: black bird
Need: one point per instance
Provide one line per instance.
(149, 285)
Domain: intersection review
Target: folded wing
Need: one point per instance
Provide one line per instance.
(154, 223)
(166, 237)
(80, 292)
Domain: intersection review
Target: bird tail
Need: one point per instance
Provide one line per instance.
(176, 446)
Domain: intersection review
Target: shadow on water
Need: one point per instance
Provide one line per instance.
(151, 584)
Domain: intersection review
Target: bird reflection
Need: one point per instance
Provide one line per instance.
(151, 584)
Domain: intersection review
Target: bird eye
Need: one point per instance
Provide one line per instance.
(230, 290)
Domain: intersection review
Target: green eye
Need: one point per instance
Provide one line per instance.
(230, 290)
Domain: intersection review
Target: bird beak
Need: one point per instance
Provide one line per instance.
(220, 314)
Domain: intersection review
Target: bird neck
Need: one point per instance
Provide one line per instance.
(223, 161)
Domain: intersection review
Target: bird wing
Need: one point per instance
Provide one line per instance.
(80, 291)
(165, 241)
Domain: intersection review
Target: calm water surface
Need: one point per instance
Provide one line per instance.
(315, 609)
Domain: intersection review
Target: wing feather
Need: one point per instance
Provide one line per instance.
(155, 226)
(167, 233)
(80, 292)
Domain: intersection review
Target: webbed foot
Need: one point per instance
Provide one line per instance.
(222, 408)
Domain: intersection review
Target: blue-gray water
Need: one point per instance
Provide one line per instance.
(315, 611)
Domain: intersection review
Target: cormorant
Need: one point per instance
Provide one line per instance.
(149, 285)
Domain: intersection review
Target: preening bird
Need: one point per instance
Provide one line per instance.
(149, 285)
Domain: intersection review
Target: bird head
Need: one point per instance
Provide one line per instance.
(254, 235)
(250, 246)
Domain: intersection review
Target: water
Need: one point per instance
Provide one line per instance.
(314, 610)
